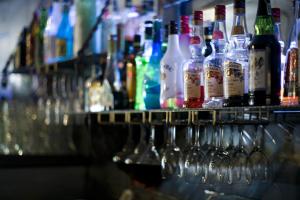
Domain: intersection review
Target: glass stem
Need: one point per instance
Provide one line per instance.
(197, 136)
(189, 135)
(152, 136)
(173, 135)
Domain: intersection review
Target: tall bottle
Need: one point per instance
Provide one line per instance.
(235, 80)
(152, 74)
(131, 71)
(265, 60)
(213, 64)
(291, 69)
(142, 60)
(171, 70)
(193, 69)
(64, 37)
(184, 37)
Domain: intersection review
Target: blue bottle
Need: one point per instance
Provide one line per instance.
(152, 74)
(64, 37)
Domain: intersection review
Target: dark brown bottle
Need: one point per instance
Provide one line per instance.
(264, 60)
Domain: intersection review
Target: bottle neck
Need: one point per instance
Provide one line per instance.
(277, 31)
(173, 42)
(148, 48)
(264, 24)
(239, 25)
(197, 41)
(220, 32)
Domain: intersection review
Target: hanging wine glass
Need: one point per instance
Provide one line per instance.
(193, 169)
(151, 155)
(170, 161)
(240, 173)
(139, 149)
(127, 148)
(258, 162)
(186, 149)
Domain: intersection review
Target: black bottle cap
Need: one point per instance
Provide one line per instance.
(173, 28)
(148, 29)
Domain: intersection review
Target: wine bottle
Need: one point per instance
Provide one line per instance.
(265, 60)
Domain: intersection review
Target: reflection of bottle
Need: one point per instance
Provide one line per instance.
(152, 74)
(264, 60)
(142, 60)
(290, 73)
(236, 62)
(20, 55)
(64, 37)
(213, 64)
(193, 69)
(171, 91)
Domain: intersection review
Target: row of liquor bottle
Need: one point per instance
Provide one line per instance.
(203, 68)
(59, 29)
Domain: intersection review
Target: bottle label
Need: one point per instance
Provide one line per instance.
(238, 30)
(233, 79)
(167, 82)
(213, 82)
(257, 72)
(61, 47)
(192, 85)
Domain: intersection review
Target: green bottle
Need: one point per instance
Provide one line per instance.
(142, 60)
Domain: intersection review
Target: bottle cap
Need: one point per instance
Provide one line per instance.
(184, 22)
(173, 28)
(276, 14)
(239, 7)
(220, 12)
(157, 30)
(198, 17)
(137, 40)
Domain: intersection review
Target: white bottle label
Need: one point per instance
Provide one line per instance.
(257, 72)
(192, 85)
(168, 86)
(213, 82)
(233, 79)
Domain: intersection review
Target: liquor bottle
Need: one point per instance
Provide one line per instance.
(207, 50)
(51, 29)
(142, 60)
(30, 41)
(152, 74)
(276, 13)
(291, 69)
(193, 69)
(131, 71)
(235, 80)
(64, 37)
(171, 70)
(213, 64)
(184, 37)
(264, 60)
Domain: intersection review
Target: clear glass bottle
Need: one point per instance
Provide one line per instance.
(290, 77)
(236, 71)
(152, 74)
(193, 69)
(142, 60)
(171, 68)
(184, 37)
(213, 64)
